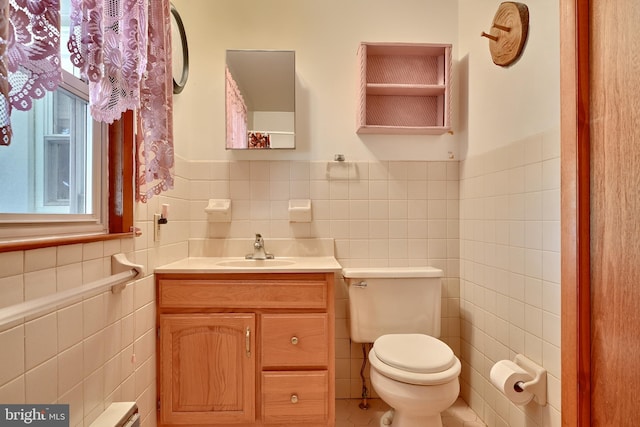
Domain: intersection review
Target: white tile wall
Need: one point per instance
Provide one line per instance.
(379, 213)
(100, 348)
(72, 355)
(491, 221)
(510, 273)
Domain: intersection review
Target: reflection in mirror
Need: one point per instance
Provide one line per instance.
(260, 96)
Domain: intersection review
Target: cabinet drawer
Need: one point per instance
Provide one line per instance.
(295, 397)
(230, 294)
(295, 340)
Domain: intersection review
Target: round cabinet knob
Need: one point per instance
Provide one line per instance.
(294, 340)
(294, 398)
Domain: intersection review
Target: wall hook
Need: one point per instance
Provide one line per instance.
(509, 31)
(501, 27)
(490, 36)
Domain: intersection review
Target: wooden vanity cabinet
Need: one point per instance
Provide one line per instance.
(246, 349)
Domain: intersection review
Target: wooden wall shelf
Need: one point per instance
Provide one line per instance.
(404, 88)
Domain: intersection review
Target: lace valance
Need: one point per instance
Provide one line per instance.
(108, 43)
(121, 47)
(30, 50)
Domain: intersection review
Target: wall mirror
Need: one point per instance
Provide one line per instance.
(260, 99)
(180, 52)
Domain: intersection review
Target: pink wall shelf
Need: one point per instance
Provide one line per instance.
(404, 88)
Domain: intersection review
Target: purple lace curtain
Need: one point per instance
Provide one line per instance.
(237, 111)
(121, 47)
(108, 43)
(30, 56)
(155, 142)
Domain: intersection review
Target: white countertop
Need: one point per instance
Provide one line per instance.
(309, 264)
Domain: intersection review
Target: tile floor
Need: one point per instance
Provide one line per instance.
(348, 414)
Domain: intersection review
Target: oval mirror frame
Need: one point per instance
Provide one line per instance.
(180, 52)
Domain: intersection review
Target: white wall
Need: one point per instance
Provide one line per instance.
(509, 210)
(499, 105)
(325, 36)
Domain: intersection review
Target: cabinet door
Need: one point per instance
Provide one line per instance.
(207, 368)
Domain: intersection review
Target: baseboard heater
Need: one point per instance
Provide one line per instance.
(119, 414)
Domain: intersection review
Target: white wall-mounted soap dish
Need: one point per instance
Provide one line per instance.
(219, 210)
(300, 210)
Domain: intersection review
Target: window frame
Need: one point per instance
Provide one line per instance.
(119, 151)
(116, 160)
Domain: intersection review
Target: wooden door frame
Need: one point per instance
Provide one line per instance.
(575, 210)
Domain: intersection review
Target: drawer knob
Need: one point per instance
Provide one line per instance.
(294, 398)
(294, 340)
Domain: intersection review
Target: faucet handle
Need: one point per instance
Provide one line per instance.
(258, 249)
(259, 241)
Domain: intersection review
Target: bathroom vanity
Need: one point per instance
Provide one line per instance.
(246, 344)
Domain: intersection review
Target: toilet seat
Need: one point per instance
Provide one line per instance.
(414, 359)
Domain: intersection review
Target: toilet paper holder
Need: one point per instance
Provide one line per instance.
(538, 385)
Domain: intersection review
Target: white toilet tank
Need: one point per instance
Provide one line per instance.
(393, 300)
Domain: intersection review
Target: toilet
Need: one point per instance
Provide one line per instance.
(398, 309)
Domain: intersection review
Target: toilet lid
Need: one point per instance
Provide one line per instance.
(416, 353)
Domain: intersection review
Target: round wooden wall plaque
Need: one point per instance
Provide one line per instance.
(508, 33)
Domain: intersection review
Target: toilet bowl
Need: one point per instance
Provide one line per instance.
(415, 374)
(398, 309)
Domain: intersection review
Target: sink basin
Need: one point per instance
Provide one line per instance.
(255, 263)
(238, 264)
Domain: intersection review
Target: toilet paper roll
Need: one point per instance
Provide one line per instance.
(505, 375)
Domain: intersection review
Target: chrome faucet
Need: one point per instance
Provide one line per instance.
(258, 249)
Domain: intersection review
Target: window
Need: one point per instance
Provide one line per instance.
(65, 156)
(55, 174)
(51, 159)
(54, 165)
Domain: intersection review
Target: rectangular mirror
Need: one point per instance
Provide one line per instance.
(260, 99)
